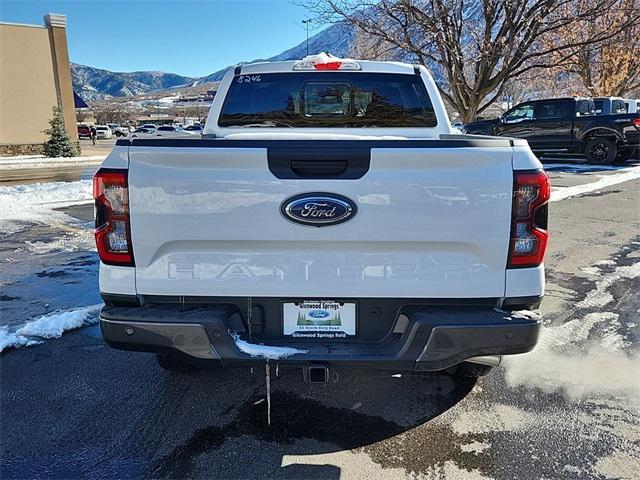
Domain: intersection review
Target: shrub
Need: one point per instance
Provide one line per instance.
(59, 143)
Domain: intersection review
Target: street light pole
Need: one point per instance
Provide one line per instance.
(307, 22)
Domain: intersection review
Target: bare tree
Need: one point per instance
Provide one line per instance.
(610, 67)
(475, 47)
(110, 112)
(82, 114)
(369, 47)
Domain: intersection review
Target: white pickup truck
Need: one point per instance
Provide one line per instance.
(328, 216)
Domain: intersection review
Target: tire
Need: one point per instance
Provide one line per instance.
(601, 151)
(173, 365)
(468, 370)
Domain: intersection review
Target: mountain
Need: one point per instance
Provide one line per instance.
(94, 83)
(338, 40)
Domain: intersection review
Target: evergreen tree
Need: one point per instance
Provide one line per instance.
(59, 143)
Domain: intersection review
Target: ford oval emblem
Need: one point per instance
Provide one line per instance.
(318, 209)
(319, 314)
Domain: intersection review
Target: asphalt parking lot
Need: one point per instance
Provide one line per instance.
(72, 407)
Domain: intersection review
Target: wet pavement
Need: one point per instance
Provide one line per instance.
(72, 407)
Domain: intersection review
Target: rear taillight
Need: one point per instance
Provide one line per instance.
(636, 121)
(531, 191)
(113, 229)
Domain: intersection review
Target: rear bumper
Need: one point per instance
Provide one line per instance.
(422, 338)
(631, 141)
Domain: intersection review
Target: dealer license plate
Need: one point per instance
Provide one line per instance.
(323, 319)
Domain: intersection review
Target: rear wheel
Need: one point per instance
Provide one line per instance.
(468, 370)
(601, 151)
(173, 365)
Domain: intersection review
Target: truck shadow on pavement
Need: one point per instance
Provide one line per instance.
(364, 408)
(75, 408)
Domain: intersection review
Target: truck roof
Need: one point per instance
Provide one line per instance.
(324, 59)
(576, 98)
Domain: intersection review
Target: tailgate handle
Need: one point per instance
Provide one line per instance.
(317, 168)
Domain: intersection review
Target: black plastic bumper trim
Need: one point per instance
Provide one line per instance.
(436, 338)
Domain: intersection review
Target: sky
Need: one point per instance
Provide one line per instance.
(187, 37)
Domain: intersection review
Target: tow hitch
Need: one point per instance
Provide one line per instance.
(319, 373)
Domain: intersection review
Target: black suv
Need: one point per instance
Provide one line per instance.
(567, 125)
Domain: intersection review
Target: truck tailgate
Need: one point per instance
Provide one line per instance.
(431, 223)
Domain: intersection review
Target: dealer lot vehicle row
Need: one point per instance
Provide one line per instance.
(570, 125)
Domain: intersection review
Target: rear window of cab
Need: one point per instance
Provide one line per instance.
(327, 99)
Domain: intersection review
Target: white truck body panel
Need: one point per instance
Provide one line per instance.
(116, 280)
(431, 223)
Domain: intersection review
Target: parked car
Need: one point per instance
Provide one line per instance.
(609, 105)
(196, 127)
(103, 132)
(567, 125)
(84, 131)
(123, 131)
(140, 130)
(633, 105)
(295, 232)
(163, 131)
(174, 130)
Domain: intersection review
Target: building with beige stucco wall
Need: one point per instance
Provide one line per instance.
(35, 75)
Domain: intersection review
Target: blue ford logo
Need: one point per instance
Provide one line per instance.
(318, 314)
(318, 209)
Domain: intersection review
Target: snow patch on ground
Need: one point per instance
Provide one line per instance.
(351, 465)
(37, 203)
(519, 314)
(599, 296)
(605, 262)
(475, 447)
(80, 241)
(576, 330)
(52, 325)
(265, 351)
(627, 174)
(565, 361)
(12, 339)
(585, 356)
(592, 271)
(496, 418)
(619, 465)
(451, 470)
(580, 373)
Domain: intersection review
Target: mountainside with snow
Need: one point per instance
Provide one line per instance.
(337, 40)
(95, 83)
